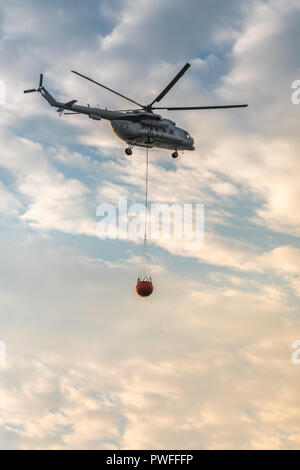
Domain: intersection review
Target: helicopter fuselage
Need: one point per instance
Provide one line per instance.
(137, 128)
(149, 132)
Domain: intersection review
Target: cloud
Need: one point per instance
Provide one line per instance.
(9, 204)
(88, 390)
(52, 201)
(274, 181)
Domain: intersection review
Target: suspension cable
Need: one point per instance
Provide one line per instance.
(146, 194)
(145, 268)
(144, 285)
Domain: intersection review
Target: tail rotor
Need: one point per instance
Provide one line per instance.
(36, 89)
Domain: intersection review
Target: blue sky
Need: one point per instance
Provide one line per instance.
(205, 362)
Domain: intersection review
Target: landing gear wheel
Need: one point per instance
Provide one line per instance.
(175, 154)
(128, 151)
(150, 140)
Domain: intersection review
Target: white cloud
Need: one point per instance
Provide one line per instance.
(9, 204)
(205, 367)
(52, 201)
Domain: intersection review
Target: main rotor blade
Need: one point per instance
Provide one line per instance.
(179, 108)
(109, 89)
(171, 84)
(126, 110)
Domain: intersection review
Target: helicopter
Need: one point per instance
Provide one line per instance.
(137, 127)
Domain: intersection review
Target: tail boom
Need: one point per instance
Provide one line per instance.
(94, 113)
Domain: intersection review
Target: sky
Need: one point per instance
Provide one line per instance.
(205, 362)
